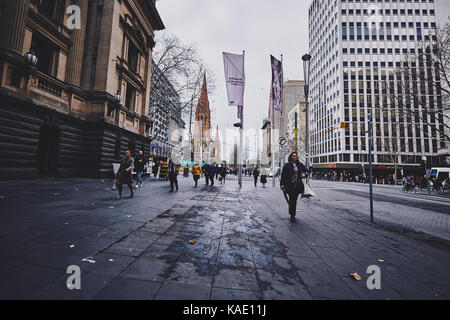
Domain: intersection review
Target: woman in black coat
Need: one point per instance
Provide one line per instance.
(291, 181)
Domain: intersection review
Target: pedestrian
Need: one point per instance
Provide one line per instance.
(211, 173)
(291, 181)
(217, 170)
(174, 170)
(196, 172)
(223, 173)
(124, 174)
(155, 169)
(205, 169)
(263, 177)
(255, 175)
(139, 164)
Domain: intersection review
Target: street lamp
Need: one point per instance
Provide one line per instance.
(115, 104)
(306, 68)
(117, 97)
(30, 61)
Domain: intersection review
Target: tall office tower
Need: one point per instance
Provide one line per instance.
(357, 49)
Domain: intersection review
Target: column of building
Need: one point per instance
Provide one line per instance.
(12, 24)
(75, 61)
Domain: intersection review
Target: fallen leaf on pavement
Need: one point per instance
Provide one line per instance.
(356, 276)
(89, 259)
(191, 241)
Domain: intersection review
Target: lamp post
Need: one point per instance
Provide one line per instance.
(306, 68)
(30, 61)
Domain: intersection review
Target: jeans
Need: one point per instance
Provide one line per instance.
(139, 178)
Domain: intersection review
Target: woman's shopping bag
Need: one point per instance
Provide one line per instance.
(309, 192)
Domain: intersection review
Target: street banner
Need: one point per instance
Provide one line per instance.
(276, 86)
(234, 78)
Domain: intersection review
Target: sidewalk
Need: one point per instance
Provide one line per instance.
(245, 246)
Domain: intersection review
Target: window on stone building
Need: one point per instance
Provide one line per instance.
(130, 98)
(133, 57)
(47, 6)
(45, 51)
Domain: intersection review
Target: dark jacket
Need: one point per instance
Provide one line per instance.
(287, 175)
(174, 171)
(205, 169)
(212, 171)
(256, 173)
(139, 163)
(223, 171)
(125, 176)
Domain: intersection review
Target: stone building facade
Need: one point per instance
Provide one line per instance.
(61, 118)
(166, 116)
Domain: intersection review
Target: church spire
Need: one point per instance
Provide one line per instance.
(204, 93)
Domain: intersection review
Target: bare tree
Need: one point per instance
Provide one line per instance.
(181, 66)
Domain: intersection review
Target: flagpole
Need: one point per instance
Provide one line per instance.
(241, 130)
(281, 153)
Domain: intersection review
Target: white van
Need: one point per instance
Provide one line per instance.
(440, 173)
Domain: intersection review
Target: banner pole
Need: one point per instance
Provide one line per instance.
(241, 130)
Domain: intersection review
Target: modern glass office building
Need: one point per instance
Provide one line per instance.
(358, 48)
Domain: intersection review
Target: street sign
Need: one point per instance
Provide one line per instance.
(282, 141)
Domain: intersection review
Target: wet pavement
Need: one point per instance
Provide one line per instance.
(204, 243)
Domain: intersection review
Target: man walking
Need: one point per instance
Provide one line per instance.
(173, 175)
(223, 173)
(211, 173)
(205, 172)
(124, 174)
(139, 165)
(256, 175)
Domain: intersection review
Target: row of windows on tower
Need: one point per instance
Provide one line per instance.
(387, 1)
(380, 37)
(388, 12)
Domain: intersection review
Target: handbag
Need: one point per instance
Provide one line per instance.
(308, 192)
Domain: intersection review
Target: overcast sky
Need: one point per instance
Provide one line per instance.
(261, 28)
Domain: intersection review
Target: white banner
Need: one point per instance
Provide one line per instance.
(234, 78)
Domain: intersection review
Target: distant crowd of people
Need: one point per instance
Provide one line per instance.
(419, 182)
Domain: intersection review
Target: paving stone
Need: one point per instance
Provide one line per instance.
(183, 291)
(125, 289)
